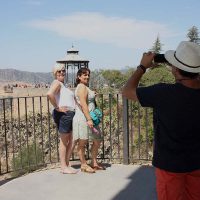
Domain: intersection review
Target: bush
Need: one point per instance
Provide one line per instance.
(28, 159)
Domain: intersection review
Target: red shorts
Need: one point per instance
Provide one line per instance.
(178, 186)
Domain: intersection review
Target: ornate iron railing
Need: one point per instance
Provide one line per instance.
(29, 138)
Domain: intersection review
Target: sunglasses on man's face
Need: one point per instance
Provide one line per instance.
(63, 71)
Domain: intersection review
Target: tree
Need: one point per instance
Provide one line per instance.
(96, 80)
(193, 35)
(157, 46)
(114, 78)
(159, 74)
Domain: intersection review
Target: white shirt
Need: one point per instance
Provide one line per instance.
(65, 98)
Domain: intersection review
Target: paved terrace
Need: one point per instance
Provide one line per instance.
(117, 182)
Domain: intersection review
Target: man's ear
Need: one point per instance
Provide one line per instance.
(176, 70)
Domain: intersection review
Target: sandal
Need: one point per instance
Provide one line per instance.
(87, 169)
(98, 167)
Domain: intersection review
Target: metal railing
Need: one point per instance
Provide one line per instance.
(29, 138)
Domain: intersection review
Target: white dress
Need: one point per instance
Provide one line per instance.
(80, 127)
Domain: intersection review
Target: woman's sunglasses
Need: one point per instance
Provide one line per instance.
(63, 71)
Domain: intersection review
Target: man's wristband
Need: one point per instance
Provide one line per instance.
(142, 67)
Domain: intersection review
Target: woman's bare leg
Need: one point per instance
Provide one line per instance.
(94, 152)
(81, 151)
(69, 149)
(65, 149)
(64, 139)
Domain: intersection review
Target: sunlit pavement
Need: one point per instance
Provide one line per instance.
(117, 182)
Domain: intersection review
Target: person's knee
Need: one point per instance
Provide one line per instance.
(82, 143)
(96, 143)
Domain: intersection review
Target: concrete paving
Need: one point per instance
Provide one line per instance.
(117, 182)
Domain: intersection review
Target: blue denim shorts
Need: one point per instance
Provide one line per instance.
(63, 120)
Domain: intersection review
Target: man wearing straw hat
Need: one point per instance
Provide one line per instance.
(176, 108)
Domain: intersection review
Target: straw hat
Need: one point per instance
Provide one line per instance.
(186, 57)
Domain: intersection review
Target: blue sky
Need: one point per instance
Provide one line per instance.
(111, 34)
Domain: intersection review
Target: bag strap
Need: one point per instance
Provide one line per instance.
(78, 104)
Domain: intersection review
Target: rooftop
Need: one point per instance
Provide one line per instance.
(73, 56)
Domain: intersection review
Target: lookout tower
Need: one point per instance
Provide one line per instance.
(73, 62)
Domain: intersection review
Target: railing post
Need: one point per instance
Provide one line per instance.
(126, 159)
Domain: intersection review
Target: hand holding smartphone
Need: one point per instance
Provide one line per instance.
(159, 58)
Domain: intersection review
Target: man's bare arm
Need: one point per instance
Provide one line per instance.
(129, 90)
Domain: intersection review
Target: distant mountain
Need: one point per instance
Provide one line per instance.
(13, 75)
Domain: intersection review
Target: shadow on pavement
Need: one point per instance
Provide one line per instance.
(142, 186)
(5, 181)
(78, 166)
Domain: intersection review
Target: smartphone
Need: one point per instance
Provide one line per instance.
(160, 58)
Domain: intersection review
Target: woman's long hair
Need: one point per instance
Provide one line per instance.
(81, 71)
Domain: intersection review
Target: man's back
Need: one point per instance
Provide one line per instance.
(176, 124)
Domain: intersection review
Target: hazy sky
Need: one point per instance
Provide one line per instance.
(111, 34)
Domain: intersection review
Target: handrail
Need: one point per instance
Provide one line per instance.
(29, 138)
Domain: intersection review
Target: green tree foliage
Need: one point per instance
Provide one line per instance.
(114, 78)
(193, 35)
(127, 73)
(162, 73)
(157, 46)
(96, 80)
(157, 75)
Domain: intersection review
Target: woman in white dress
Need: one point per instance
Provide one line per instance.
(83, 127)
(62, 99)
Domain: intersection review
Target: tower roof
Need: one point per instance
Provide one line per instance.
(72, 50)
(72, 56)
